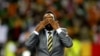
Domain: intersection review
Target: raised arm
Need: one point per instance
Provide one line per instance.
(62, 32)
(34, 37)
(64, 37)
(32, 41)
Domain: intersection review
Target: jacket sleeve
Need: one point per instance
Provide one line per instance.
(65, 39)
(32, 41)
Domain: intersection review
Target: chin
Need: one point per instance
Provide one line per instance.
(48, 27)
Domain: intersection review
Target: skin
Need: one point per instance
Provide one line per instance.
(48, 19)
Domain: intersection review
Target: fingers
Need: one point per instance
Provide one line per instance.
(57, 24)
(51, 21)
(45, 22)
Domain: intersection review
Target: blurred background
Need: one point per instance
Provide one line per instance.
(18, 19)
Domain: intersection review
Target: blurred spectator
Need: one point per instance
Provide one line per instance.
(3, 35)
(24, 6)
(96, 41)
(15, 28)
(10, 47)
(86, 48)
(23, 37)
(75, 50)
(26, 53)
(12, 9)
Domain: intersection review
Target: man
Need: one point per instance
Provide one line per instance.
(49, 38)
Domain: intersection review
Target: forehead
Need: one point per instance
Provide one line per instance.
(48, 15)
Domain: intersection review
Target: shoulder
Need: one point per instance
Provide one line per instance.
(64, 29)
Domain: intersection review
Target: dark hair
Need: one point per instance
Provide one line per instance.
(48, 11)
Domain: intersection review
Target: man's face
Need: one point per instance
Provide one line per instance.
(48, 16)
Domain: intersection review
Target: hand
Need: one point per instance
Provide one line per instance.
(41, 25)
(54, 24)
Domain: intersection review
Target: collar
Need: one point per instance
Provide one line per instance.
(49, 31)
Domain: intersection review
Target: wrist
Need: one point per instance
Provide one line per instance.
(56, 28)
(37, 30)
(59, 30)
(37, 33)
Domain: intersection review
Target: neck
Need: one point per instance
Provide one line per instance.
(48, 30)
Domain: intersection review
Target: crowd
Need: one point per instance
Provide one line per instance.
(81, 18)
